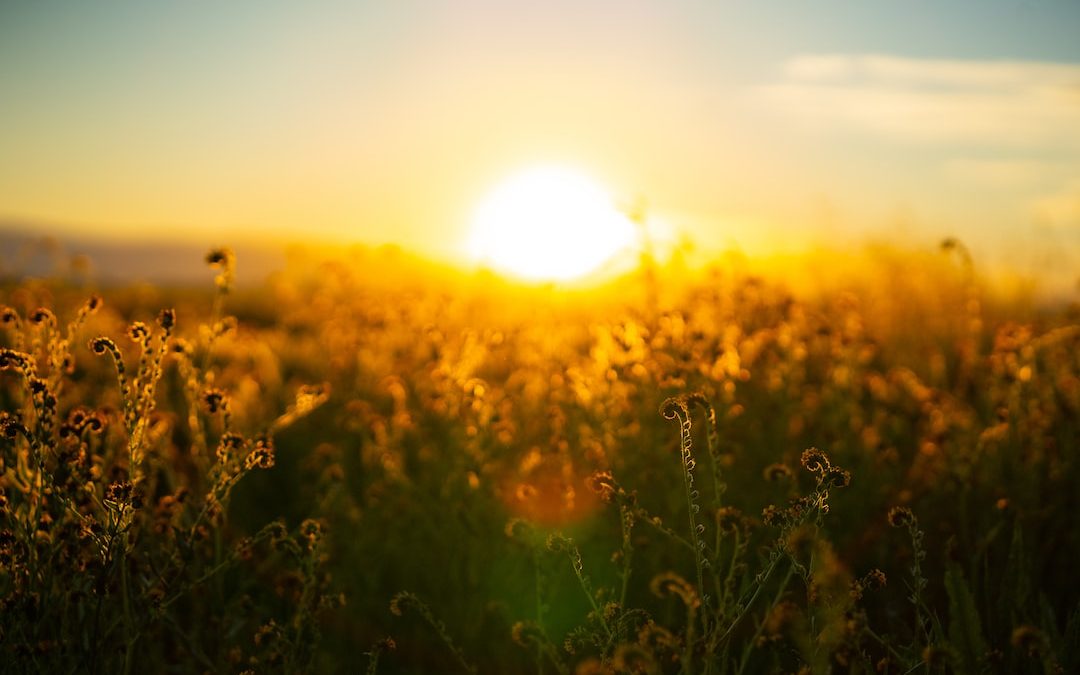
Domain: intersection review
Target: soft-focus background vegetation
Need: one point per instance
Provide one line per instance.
(464, 440)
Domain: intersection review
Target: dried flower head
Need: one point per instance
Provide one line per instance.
(815, 461)
(776, 472)
(872, 580)
(224, 260)
(119, 494)
(1029, 640)
(602, 483)
(214, 400)
(43, 315)
(837, 477)
(261, 456)
(729, 519)
(139, 332)
(167, 319)
(9, 358)
(310, 532)
(901, 516)
(102, 345)
(229, 446)
(670, 583)
(936, 656)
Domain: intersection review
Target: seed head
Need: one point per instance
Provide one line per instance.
(218, 256)
(776, 472)
(101, 345)
(1028, 639)
(729, 519)
(602, 483)
(837, 477)
(936, 656)
(262, 456)
(815, 461)
(9, 358)
(311, 532)
(167, 319)
(43, 315)
(119, 493)
(139, 332)
(670, 583)
(214, 400)
(901, 516)
(771, 515)
(228, 446)
(224, 260)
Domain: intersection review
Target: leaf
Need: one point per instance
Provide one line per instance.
(965, 628)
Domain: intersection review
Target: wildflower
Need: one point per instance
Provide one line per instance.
(41, 315)
(267, 632)
(776, 472)
(603, 484)
(837, 477)
(224, 260)
(167, 319)
(1028, 639)
(119, 494)
(632, 658)
(815, 461)
(102, 345)
(771, 515)
(227, 447)
(139, 332)
(936, 656)
(901, 516)
(311, 531)
(517, 528)
(9, 358)
(557, 543)
(218, 256)
(214, 400)
(782, 616)
(262, 456)
(521, 630)
(874, 579)
(670, 583)
(729, 519)
(399, 603)
(181, 346)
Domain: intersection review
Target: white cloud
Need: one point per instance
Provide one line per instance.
(997, 104)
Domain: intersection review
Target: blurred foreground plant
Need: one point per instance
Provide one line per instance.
(116, 549)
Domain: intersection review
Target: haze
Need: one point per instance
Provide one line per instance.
(761, 126)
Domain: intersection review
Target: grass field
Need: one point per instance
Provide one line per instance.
(364, 466)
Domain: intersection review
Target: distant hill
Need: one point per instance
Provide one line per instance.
(26, 252)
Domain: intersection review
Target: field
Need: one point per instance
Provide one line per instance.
(364, 465)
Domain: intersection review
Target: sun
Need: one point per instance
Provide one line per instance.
(549, 223)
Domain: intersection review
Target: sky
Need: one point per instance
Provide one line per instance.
(757, 125)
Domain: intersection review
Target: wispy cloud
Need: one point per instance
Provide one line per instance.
(999, 104)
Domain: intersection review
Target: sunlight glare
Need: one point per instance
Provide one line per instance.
(549, 223)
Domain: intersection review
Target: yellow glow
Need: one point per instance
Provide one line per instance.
(549, 223)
